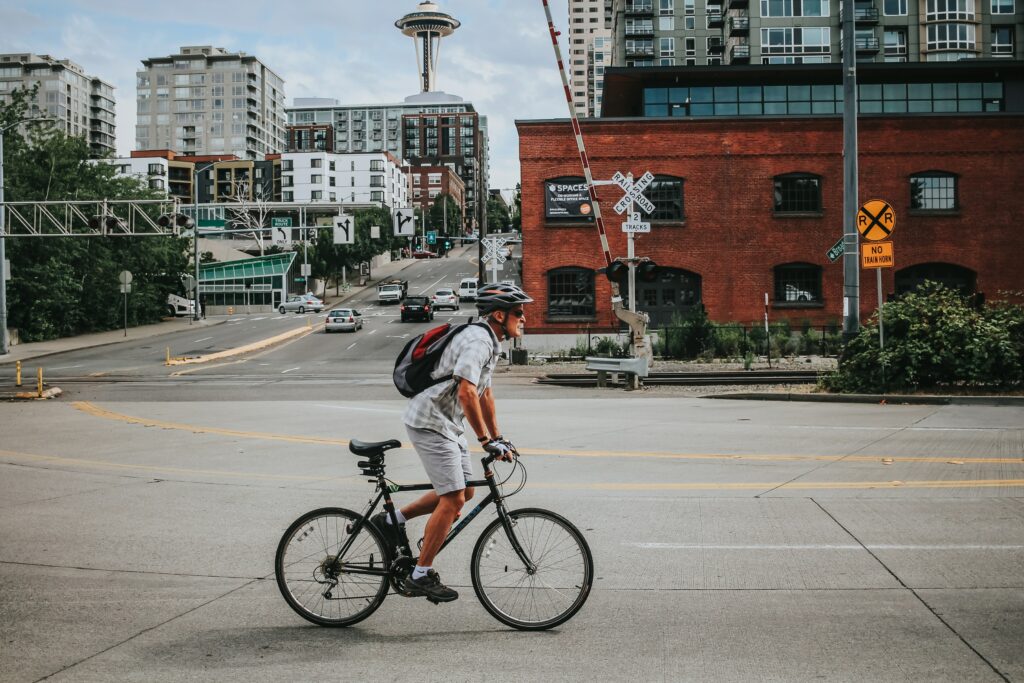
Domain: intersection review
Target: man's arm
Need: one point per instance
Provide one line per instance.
(473, 409)
(489, 415)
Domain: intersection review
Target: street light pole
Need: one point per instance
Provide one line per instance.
(195, 236)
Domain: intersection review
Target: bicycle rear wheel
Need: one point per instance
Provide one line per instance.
(557, 587)
(323, 588)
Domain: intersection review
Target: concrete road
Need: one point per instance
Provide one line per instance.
(733, 541)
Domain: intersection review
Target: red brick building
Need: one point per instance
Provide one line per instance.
(749, 189)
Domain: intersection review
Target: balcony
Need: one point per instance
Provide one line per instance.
(864, 15)
(639, 7)
(715, 47)
(639, 50)
(866, 45)
(737, 4)
(739, 54)
(739, 26)
(715, 18)
(639, 30)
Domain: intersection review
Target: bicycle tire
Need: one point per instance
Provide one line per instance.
(565, 567)
(300, 564)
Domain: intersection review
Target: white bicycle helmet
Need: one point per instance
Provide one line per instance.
(500, 297)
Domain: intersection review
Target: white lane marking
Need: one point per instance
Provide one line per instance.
(373, 331)
(67, 367)
(233, 320)
(261, 318)
(900, 429)
(195, 342)
(350, 345)
(822, 546)
(364, 410)
(290, 369)
(430, 285)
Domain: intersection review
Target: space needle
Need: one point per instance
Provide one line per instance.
(427, 25)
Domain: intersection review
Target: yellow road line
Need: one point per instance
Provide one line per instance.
(248, 348)
(91, 409)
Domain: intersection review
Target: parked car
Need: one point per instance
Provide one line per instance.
(467, 289)
(417, 308)
(301, 304)
(423, 253)
(446, 298)
(344, 320)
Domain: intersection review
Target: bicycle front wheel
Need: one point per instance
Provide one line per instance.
(546, 595)
(322, 587)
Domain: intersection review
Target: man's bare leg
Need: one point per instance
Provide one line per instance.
(426, 503)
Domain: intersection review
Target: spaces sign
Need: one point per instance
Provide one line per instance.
(567, 198)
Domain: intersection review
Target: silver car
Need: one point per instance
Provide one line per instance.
(446, 298)
(344, 320)
(301, 304)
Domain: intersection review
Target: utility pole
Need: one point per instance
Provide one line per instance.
(851, 238)
(195, 236)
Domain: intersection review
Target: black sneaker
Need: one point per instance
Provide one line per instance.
(388, 531)
(430, 586)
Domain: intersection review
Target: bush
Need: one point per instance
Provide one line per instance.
(934, 339)
(607, 346)
(689, 335)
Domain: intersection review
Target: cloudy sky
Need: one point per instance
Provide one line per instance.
(500, 59)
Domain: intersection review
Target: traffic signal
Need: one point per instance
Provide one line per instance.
(179, 219)
(647, 271)
(110, 222)
(617, 271)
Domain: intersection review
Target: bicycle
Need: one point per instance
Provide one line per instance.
(531, 568)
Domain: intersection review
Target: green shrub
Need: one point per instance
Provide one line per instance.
(608, 346)
(689, 335)
(935, 339)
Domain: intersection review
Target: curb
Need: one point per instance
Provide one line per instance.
(248, 348)
(894, 399)
(52, 392)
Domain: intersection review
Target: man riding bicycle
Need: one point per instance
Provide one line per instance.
(434, 422)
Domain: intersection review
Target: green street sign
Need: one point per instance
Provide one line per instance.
(431, 237)
(836, 251)
(299, 279)
(285, 222)
(212, 223)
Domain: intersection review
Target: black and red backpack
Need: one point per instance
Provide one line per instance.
(420, 356)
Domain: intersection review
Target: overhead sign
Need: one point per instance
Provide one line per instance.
(344, 230)
(877, 255)
(635, 224)
(567, 198)
(281, 236)
(836, 251)
(634, 192)
(405, 222)
(285, 222)
(876, 220)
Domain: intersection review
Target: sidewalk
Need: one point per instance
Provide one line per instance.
(24, 352)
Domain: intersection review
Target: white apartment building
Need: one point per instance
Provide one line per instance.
(353, 178)
(590, 51)
(207, 101)
(82, 105)
(151, 171)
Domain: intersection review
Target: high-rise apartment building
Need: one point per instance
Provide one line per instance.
(590, 51)
(81, 105)
(708, 32)
(428, 129)
(205, 100)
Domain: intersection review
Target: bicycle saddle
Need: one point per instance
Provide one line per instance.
(372, 449)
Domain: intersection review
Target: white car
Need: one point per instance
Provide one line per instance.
(467, 288)
(446, 298)
(301, 304)
(344, 320)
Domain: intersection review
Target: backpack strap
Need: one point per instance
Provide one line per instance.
(450, 376)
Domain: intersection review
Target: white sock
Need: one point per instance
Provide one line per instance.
(398, 515)
(419, 572)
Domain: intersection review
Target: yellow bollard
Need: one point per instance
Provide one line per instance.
(17, 374)
(39, 377)
(168, 361)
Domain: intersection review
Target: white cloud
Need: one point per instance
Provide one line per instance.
(500, 59)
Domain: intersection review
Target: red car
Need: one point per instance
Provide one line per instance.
(419, 253)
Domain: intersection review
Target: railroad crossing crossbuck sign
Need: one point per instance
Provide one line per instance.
(876, 220)
(634, 192)
(493, 249)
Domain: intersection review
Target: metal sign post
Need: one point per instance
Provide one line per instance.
(634, 194)
(492, 254)
(125, 278)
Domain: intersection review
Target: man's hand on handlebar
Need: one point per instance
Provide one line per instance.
(500, 449)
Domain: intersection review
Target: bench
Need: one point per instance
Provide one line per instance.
(631, 367)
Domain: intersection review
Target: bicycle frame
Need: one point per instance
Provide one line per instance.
(384, 491)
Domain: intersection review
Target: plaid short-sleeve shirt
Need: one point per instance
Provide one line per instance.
(471, 356)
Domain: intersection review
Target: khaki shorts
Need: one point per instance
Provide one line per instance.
(446, 462)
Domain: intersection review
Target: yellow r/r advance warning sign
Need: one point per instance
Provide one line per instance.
(876, 255)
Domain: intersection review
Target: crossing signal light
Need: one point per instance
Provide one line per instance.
(647, 271)
(109, 222)
(617, 271)
(180, 219)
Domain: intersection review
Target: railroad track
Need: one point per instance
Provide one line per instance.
(692, 378)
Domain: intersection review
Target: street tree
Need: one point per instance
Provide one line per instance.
(248, 209)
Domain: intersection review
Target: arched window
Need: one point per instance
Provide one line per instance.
(666, 193)
(571, 293)
(934, 191)
(798, 193)
(798, 283)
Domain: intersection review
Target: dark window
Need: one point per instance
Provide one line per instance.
(797, 193)
(933, 191)
(571, 293)
(666, 193)
(964, 280)
(798, 283)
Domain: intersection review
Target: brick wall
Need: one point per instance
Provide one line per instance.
(730, 235)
